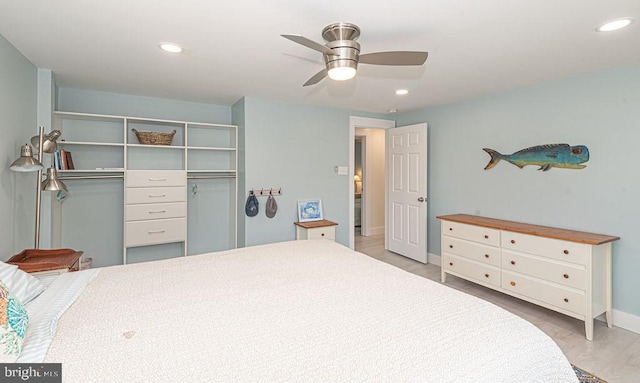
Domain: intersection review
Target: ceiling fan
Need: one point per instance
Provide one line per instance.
(342, 53)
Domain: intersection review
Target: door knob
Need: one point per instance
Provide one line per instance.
(420, 199)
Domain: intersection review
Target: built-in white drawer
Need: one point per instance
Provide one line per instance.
(156, 195)
(567, 274)
(142, 233)
(143, 212)
(567, 251)
(155, 178)
(473, 233)
(472, 250)
(471, 270)
(562, 297)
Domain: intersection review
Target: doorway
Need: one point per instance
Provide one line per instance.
(371, 133)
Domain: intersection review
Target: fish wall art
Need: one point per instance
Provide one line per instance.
(546, 156)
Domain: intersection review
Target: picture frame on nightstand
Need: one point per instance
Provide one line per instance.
(310, 210)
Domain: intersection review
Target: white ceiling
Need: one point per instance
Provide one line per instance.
(234, 47)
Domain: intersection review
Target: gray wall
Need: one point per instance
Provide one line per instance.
(18, 89)
(601, 111)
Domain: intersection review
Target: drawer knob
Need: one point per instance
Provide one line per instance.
(513, 241)
(486, 236)
(451, 246)
(566, 300)
(513, 262)
(450, 263)
(322, 234)
(566, 251)
(566, 276)
(512, 283)
(450, 229)
(486, 255)
(486, 275)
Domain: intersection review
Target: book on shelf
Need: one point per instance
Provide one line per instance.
(63, 160)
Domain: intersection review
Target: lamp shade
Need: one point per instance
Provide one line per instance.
(52, 183)
(48, 141)
(26, 162)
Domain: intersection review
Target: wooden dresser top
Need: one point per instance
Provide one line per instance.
(525, 228)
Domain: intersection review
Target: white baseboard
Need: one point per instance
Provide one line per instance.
(620, 318)
(434, 259)
(623, 320)
(374, 231)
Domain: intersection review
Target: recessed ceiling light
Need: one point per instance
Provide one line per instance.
(392, 111)
(171, 48)
(401, 92)
(614, 25)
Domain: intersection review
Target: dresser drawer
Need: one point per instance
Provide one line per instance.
(478, 234)
(155, 195)
(472, 250)
(322, 233)
(567, 274)
(141, 233)
(149, 211)
(155, 178)
(472, 270)
(547, 247)
(555, 295)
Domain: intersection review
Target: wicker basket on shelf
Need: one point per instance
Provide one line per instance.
(154, 138)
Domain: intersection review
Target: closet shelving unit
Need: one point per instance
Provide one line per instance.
(104, 147)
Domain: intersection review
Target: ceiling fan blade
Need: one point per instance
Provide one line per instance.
(310, 44)
(394, 58)
(316, 77)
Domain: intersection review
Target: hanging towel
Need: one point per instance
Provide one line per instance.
(252, 206)
(271, 208)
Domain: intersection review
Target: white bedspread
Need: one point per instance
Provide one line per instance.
(294, 311)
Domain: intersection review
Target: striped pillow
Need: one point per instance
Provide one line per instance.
(24, 286)
(13, 325)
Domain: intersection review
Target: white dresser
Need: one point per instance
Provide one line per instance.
(155, 207)
(563, 270)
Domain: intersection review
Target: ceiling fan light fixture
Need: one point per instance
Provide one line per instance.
(342, 73)
(614, 25)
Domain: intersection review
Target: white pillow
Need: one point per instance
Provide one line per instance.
(25, 287)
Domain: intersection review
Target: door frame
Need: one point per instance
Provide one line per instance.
(360, 122)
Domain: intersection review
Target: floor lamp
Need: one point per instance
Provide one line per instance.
(26, 163)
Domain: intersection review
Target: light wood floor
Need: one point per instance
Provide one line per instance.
(613, 355)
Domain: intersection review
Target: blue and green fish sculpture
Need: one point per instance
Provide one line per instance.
(546, 156)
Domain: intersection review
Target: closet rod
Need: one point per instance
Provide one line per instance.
(207, 177)
(87, 177)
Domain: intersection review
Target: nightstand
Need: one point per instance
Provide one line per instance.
(45, 263)
(316, 230)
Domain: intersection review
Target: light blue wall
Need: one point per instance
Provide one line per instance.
(601, 111)
(17, 124)
(238, 113)
(296, 147)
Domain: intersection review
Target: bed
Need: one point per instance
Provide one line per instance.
(291, 311)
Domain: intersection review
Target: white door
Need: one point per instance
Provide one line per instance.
(407, 191)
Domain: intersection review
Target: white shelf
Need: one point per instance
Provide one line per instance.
(116, 144)
(212, 171)
(209, 148)
(155, 146)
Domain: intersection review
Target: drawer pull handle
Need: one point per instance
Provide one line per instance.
(566, 251)
(486, 236)
(157, 195)
(486, 275)
(512, 283)
(156, 179)
(155, 231)
(513, 262)
(566, 300)
(451, 246)
(486, 255)
(513, 241)
(450, 229)
(322, 235)
(566, 276)
(157, 211)
(450, 263)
